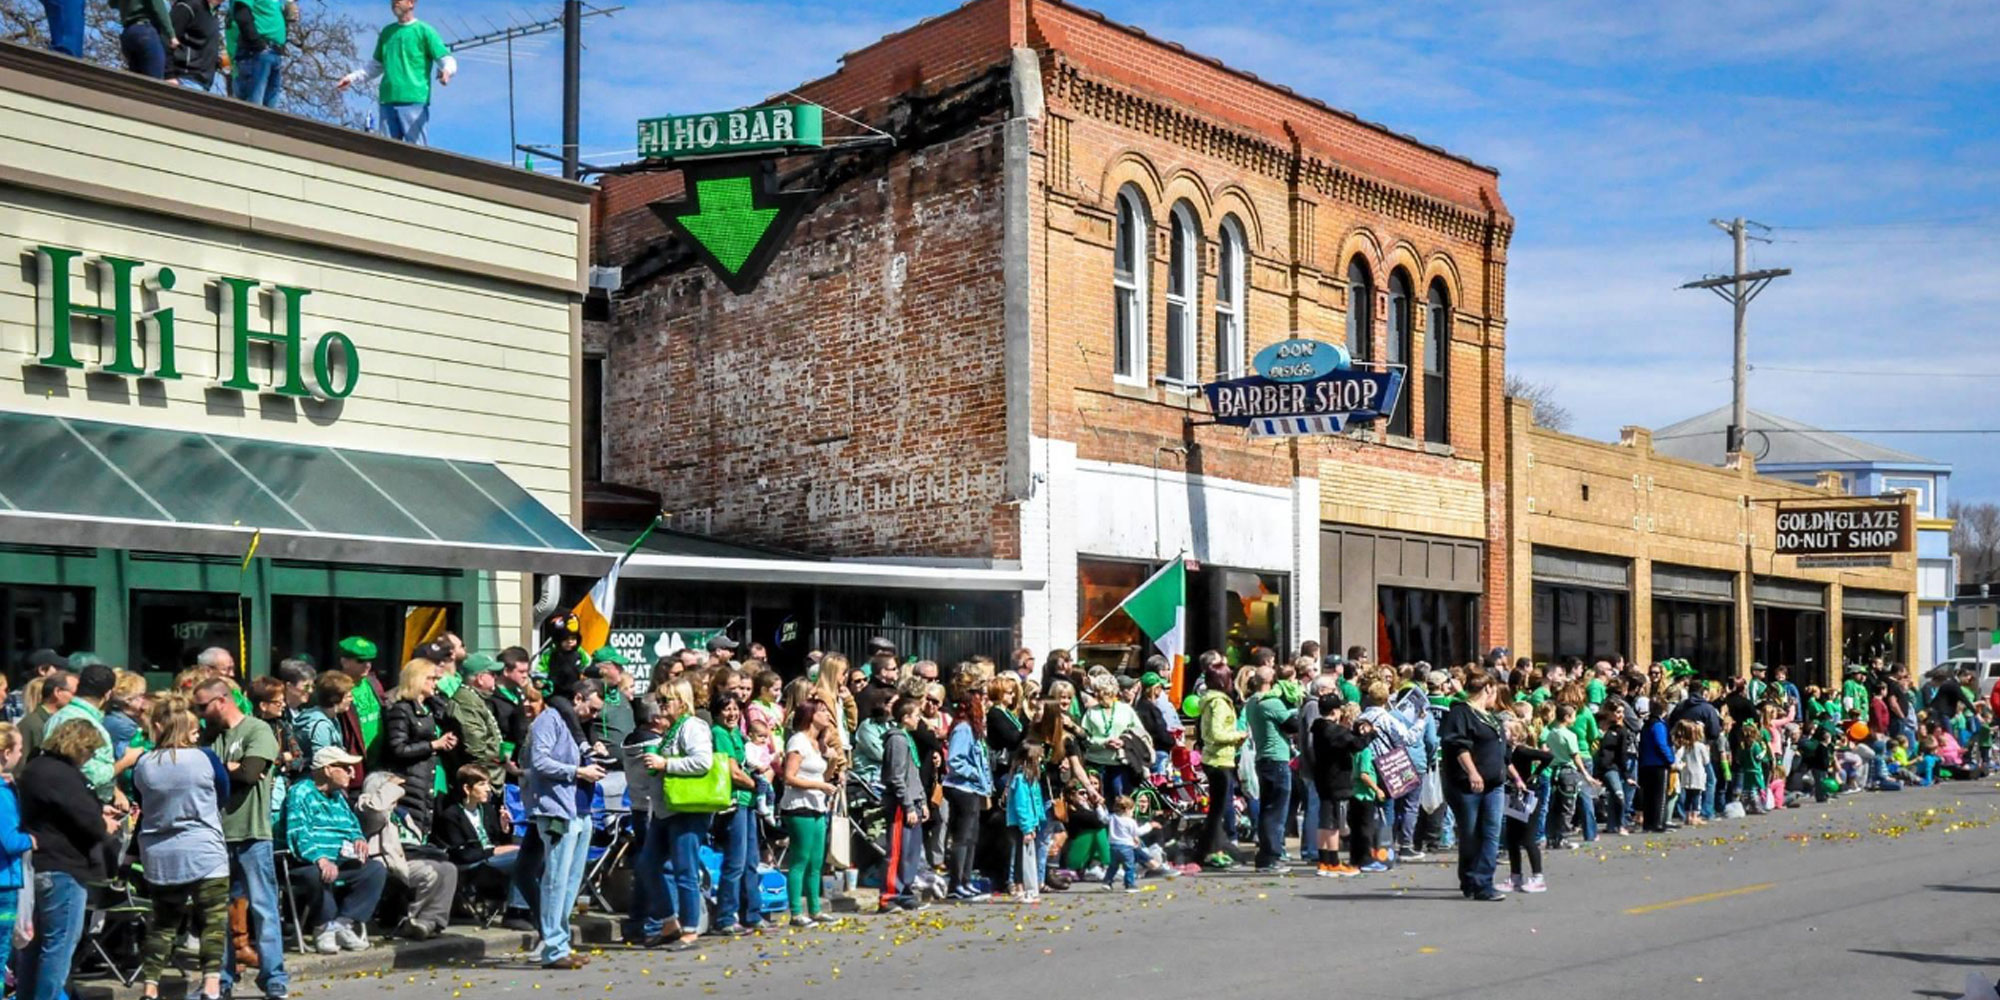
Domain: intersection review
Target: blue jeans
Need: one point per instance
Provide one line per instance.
(1305, 793)
(1479, 815)
(407, 122)
(1616, 808)
(562, 878)
(1407, 809)
(43, 973)
(685, 833)
(145, 51)
(260, 78)
(1708, 792)
(1538, 824)
(254, 876)
(652, 898)
(65, 26)
(738, 898)
(1274, 791)
(351, 897)
(1127, 857)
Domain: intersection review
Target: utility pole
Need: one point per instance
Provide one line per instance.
(573, 84)
(1738, 289)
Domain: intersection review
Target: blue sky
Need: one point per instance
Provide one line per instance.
(1867, 133)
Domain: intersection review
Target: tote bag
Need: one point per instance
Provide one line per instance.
(1399, 776)
(840, 834)
(700, 793)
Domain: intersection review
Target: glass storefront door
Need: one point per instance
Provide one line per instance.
(1700, 632)
(1579, 621)
(33, 618)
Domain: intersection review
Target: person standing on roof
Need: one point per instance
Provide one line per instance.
(407, 53)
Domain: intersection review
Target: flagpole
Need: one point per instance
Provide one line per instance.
(1180, 556)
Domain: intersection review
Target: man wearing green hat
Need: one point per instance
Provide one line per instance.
(478, 730)
(362, 723)
(611, 671)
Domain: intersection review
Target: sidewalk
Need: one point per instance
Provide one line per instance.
(462, 945)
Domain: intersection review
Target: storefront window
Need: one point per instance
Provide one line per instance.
(1792, 638)
(170, 628)
(1243, 611)
(1428, 626)
(33, 618)
(1579, 621)
(315, 625)
(1863, 639)
(1100, 585)
(1699, 632)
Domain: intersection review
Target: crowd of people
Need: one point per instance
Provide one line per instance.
(242, 45)
(373, 797)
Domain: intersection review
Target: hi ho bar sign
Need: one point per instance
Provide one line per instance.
(724, 133)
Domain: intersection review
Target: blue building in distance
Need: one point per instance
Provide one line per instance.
(1787, 449)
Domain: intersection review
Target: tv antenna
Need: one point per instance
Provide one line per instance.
(507, 34)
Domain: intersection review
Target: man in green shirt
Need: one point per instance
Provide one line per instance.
(93, 685)
(405, 54)
(1263, 714)
(249, 751)
(362, 723)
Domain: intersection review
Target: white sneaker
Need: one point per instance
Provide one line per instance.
(1535, 884)
(328, 941)
(350, 937)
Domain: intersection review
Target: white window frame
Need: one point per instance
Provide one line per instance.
(1130, 288)
(1184, 305)
(1231, 270)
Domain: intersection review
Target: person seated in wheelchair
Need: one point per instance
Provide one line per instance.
(475, 832)
(428, 879)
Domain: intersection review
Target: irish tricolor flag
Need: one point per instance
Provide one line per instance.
(1159, 607)
(593, 613)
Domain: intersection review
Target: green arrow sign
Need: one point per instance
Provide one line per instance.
(734, 218)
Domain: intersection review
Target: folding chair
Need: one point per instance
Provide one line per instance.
(281, 861)
(115, 928)
(615, 826)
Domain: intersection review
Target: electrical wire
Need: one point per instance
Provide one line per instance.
(1869, 373)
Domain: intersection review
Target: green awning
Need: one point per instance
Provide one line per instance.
(65, 481)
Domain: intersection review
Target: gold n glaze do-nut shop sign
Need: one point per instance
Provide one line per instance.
(136, 336)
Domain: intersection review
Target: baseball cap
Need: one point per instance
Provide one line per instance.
(479, 663)
(357, 648)
(1151, 679)
(46, 658)
(880, 644)
(83, 658)
(719, 642)
(604, 654)
(328, 756)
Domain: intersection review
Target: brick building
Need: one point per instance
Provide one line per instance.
(1621, 548)
(981, 350)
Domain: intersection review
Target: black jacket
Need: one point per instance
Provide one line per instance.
(200, 33)
(1464, 731)
(1611, 752)
(1004, 736)
(453, 831)
(1333, 750)
(407, 732)
(1700, 711)
(1154, 722)
(59, 810)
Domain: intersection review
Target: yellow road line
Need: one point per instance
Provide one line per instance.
(1703, 898)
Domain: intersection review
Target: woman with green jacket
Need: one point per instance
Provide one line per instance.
(1220, 736)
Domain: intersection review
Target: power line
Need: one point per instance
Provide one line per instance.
(1847, 430)
(1870, 373)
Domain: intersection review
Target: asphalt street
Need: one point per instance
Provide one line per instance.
(1872, 895)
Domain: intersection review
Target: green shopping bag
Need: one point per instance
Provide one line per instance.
(701, 793)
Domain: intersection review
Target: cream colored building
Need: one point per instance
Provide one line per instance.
(229, 327)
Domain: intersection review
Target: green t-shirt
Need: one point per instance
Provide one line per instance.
(1364, 764)
(1595, 690)
(368, 714)
(407, 52)
(1349, 691)
(731, 744)
(1587, 731)
(251, 819)
(1562, 744)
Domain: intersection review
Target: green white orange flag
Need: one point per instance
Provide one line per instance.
(593, 613)
(1159, 607)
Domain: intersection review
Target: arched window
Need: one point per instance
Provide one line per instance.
(1400, 322)
(1128, 281)
(1231, 265)
(1437, 365)
(1360, 312)
(1183, 291)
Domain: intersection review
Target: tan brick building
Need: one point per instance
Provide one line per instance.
(1619, 549)
(982, 347)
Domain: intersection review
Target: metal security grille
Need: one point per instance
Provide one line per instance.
(943, 644)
